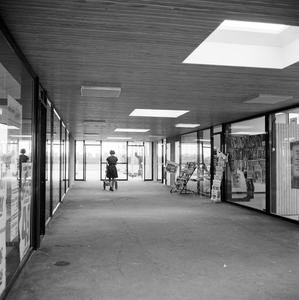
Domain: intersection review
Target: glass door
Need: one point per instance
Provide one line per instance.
(121, 152)
(136, 161)
(92, 153)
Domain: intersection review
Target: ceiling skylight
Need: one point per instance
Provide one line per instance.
(187, 125)
(163, 113)
(249, 44)
(252, 26)
(131, 130)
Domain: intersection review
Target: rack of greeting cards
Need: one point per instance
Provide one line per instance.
(220, 160)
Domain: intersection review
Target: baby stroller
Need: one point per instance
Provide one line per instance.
(106, 182)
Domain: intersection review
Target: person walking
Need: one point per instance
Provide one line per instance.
(111, 169)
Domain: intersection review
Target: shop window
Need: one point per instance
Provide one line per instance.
(16, 162)
(284, 200)
(246, 171)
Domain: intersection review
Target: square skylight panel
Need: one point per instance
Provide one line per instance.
(249, 44)
(162, 113)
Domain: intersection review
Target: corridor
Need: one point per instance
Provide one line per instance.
(143, 243)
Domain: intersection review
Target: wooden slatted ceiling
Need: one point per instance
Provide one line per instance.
(140, 45)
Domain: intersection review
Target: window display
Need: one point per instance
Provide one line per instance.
(246, 172)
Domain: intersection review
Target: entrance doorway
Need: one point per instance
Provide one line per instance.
(136, 162)
(93, 162)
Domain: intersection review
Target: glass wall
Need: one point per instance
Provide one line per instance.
(67, 160)
(284, 200)
(246, 170)
(189, 148)
(62, 161)
(16, 95)
(79, 160)
(56, 148)
(190, 153)
(48, 212)
(148, 161)
(204, 165)
(93, 158)
(159, 152)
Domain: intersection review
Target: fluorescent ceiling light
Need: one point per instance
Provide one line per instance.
(164, 113)
(156, 136)
(267, 99)
(247, 133)
(118, 138)
(187, 125)
(131, 130)
(100, 91)
(20, 136)
(248, 44)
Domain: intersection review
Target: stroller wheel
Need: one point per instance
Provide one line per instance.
(104, 185)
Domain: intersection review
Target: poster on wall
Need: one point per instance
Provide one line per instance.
(2, 235)
(12, 207)
(25, 209)
(295, 165)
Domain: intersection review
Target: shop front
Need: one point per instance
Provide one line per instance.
(263, 164)
(16, 89)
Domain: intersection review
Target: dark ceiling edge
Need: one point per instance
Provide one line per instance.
(17, 50)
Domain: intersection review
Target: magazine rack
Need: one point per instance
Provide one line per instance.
(180, 184)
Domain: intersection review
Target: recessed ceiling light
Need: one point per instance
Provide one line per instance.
(118, 138)
(187, 125)
(100, 91)
(131, 130)
(164, 113)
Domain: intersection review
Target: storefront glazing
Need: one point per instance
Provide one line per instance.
(284, 139)
(246, 167)
(16, 89)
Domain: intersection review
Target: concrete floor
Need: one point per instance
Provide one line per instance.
(141, 242)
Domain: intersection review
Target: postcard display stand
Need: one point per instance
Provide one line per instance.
(220, 168)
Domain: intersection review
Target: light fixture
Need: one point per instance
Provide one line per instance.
(187, 125)
(163, 113)
(267, 99)
(20, 136)
(131, 130)
(157, 136)
(91, 134)
(100, 91)
(118, 138)
(247, 133)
